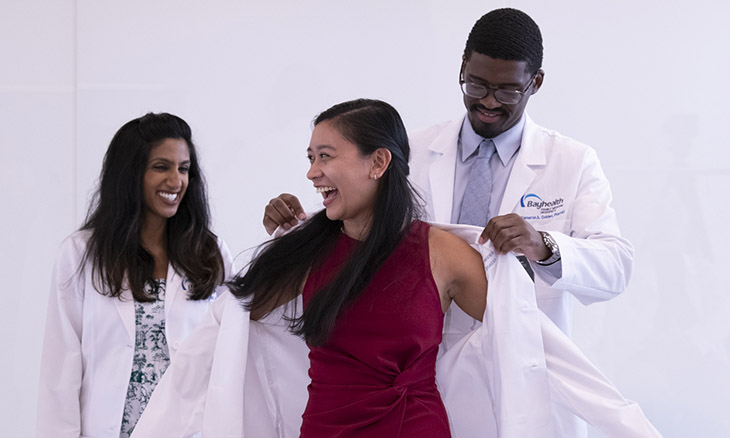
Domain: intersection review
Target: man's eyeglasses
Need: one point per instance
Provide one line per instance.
(506, 97)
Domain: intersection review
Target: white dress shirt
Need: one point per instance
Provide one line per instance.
(507, 144)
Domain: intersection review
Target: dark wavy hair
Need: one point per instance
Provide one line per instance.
(280, 267)
(117, 211)
(507, 34)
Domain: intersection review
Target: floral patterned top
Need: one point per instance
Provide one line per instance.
(151, 356)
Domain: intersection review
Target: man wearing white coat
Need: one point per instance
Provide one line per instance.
(549, 197)
(544, 195)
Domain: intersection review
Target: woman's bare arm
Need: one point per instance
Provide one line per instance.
(459, 273)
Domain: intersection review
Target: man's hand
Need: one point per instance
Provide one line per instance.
(285, 211)
(511, 233)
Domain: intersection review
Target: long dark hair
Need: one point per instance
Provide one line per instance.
(116, 216)
(280, 267)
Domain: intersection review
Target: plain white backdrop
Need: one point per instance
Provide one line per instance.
(643, 82)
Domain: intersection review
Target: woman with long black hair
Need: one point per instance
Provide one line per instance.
(130, 285)
(375, 282)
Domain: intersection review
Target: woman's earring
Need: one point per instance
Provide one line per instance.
(375, 176)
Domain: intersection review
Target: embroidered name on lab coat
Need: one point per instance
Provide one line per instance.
(537, 208)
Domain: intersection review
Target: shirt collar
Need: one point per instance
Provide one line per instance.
(507, 143)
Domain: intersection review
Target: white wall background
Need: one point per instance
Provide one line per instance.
(644, 82)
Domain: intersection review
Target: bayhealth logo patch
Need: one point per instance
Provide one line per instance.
(540, 209)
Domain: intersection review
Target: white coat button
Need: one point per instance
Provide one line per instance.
(176, 345)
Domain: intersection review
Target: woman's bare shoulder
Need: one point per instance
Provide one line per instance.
(448, 244)
(459, 269)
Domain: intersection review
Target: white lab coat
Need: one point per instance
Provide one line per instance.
(596, 260)
(567, 176)
(234, 378)
(89, 343)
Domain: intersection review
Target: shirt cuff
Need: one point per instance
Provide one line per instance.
(550, 273)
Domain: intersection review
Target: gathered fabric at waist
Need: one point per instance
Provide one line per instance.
(413, 382)
(408, 405)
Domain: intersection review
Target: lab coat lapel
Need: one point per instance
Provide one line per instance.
(441, 173)
(530, 155)
(175, 285)
(125, 307)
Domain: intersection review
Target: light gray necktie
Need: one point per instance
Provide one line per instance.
(475, 204)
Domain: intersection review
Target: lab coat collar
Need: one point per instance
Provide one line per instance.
(532, 149)
(530, 156)
(441, 173)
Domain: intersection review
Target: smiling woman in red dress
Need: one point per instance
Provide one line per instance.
(375, 282)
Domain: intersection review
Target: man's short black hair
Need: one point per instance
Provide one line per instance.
(507, 34)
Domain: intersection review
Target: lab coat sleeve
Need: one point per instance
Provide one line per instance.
(225, 393)
(178, 405)
(596, 261)
(232, 378)
(531, 354)
(503, 376)
(59, 410)
(581, 387)
(277, 378)
(494, 381)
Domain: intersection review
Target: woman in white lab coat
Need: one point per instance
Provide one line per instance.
(130, 285)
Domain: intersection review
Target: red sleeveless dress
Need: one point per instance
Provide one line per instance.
(375, 376)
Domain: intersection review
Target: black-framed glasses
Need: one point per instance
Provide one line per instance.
(506, 97)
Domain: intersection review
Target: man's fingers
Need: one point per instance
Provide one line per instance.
(283, 211)
(274, 218)
(504, 232)
(294, 205)
(483, 237)
(512, 244)
(280, 209)
(269, 225)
